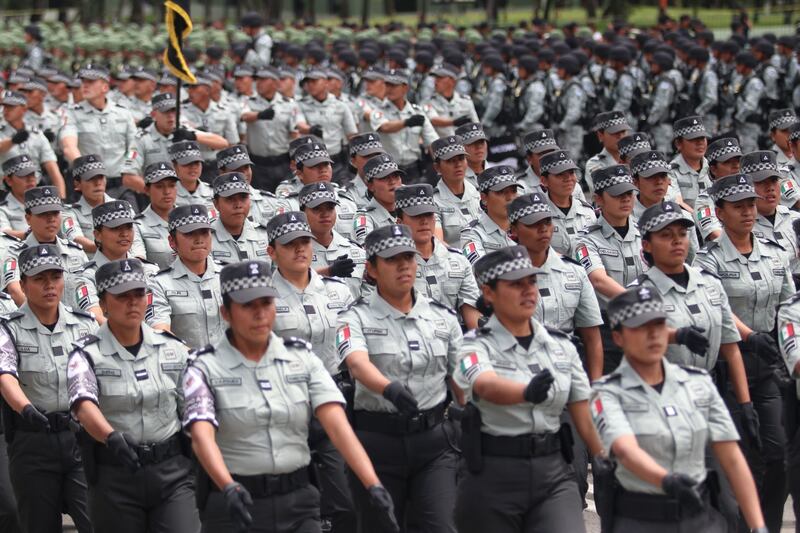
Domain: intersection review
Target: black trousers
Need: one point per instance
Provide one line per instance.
(47, 476)
(8, 504)
(157, 498)
(612, 354)
(520, 495)
(792, 421)
(268, 172)
(294, 512)
(419, 471)
(336, 503)
(709, 521)
(580, 461)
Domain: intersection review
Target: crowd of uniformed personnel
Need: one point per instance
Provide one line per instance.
(400, 280)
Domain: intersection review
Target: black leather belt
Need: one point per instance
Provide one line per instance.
(398, 424)
(59, 421)
(266, 485)
(148, 453)
(652, 507)
(527, 445)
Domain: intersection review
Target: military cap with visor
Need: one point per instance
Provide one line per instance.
(42, 200)
(231, 183)
(556, 162)
(155, 172)
(611, 122)
(497, 178)
(446, 148)
(615, 180)
(689, 128)
(389, 241)
(635, 307)
(21, 165)
(316, 194)
(529, 209)
(782, 119)
(188, 218)
(366, 144)
(286, 227)
(471, 132)
(760, 165)
(659, 216)
(247, 281)
(381, 166)
(633, 144)
(233, 158)
(112, 214)
(510, 264)
(539, 141)
(415, 199)
(723, 150)
(185, 152)
(36, 259)
(117, 277)
(649, 163)
(733, 188)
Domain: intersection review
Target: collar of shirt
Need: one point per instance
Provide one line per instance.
(664, 283)
(231, 357)
(730, 253)
(315, 284)
(506, 342)
(179, 270)
(151, 218)
(684, 168)
(109, 344)
(554, 262)
(30, 321)
(610, 233)
(469, 191)
(381, 308)
(490, 225)
(31, 240)
(673, 374)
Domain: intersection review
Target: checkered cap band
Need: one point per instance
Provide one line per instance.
(384, 168)
(394, 241)
(179, 222)
(396, 77)
(38, 197)
(58, 77)
(635, 309)
(413, 201)
(119, 278)
(280, 230)
(228, 157)
(553, 162)
(447, 146)
(684, 130)
(325, 194)
(500, 269)
(317, 152)
(18, 164)
(609, 181)
(111, 211)
(611, 122)
(167, 79)
(87, 165)
(36, 84)
(666, 217)
(529, 209)
(490, 182)
(752, 163)
(164, 101)
(17, 78)
(365, 143)
(14, 98)
(634, 145)
(643, 164)
(246, 282)
(225, 185)
(93, 72)
(782, 121)
(469, 133)
(795, 132)
(183, 153)
(37, 256)
(241, 71)
(722, 149)
(725, 192)
(159, 171)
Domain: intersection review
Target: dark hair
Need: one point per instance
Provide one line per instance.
(226, 301)
(647, 256)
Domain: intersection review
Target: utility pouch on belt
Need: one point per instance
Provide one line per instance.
(8, 421)
(567, 441)
(713, 485)
(203, 487)
(471, 438)
(87, 445)
(605, 493)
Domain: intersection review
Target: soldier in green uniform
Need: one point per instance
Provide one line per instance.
(249, 401)
(518, 377)
(498, 187)
(124, 389)
(648, 402)
(162, 189)
(756, 278)
(45, 466)
(401, 347)
(186, 294)
(235, 238)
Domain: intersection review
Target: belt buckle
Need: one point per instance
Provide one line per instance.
(145, 452)
(416, 422)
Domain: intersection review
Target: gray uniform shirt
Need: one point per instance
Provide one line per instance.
(690, 181)
(149, 146)
(109, 132)
(215, 119)
(440, 107)
(36, 146)
(446, 276)
(566, 297)
(566, 227)
(781, 232)
(269, 138)
(155, 232)
(251, 244)
(339, 246)
(335, 118)
(455, 212)
(403, 145)
(483, 236)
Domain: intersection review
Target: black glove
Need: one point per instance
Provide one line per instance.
(20, 137)
(460, 121)
(401, 397)
(35, 418)
(536, 391)
(381, 500)
(182, 134)
(414, 121)
(145, 122)
(342, 267)
(602, 466)
(316, 130)
(685, 490)
(750, 424)
(692, 337)
(236, 500)
(764, 345)
(121, 445)
(266, 114)
(49, 135)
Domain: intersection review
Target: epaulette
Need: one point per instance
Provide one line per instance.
(608, 378)
(709, 273)
(86, 340)
(78, 312)
(120, 105)
(477, 332)
(334, 280)
(694, 369)
(5, 296)
(472, 223)
(7, 236)
(21, 245)
(674, 166)
(568, 259)
(558, 333)
(641, 279)
(454, 250)
(593, 227)
(267, 194)
(137, 217)
(76, 106)
(708, 246)
(75, 245)
(370, 208)
(208, 348)
(586, 204)
(773, 243)
(296, 342)
(186, 101)
(164, 270)
(169, 334)
(13, 316)
(140, 133)
(354, 242)
(85, 267)
(443, 306)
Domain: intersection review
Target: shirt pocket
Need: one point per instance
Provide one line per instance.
(438, 363)
(647, 428)
(167, 399)
(385, 355)
(235, 407)
(286, 322)
(298, 400)
(115, 395)
(39, 372)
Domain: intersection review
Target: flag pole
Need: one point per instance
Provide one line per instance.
(178, 104)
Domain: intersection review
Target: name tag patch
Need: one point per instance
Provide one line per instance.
(670, 410)
(108, 372)
(226, 382)
(27, 348)
(725, 274)
(413, 345)
(171, 367)
(176, 293)
(298, 378)
(375, 331)
(207, 294)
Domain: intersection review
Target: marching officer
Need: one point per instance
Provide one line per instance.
(492, 117)
(447, 109)
(530, 96)
(161, 184)
(443, 274)
(19, 175)
(788, 329)
(519, 377)
(663, 94)
(400, 348)
(186, 297)
(569, 107)
(124, 390)
(609, 127)
(571, 215)
(235, 238)
(333, 254)
(383, 177)
(749, 90)
(187, 159)
(362, 147)
(476, 144)
(781, 122)
(306, 308)
(458, 200)
(201, 112)
(689, 172)
(45, 465)
(756, 279)
(249, 401)
(657, 487)
(724, 159)
(498, 187)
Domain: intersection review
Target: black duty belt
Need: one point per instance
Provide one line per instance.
(528, 445)
(266, 485)
(399, 424)
(59, 421)
(148, 453)
(267, 161)
(652, 507)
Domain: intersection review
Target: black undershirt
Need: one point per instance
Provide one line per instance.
(747, 255)
(565, 210)
(51, 327)
(622, 230)
(681, 279)
(525, 341)
(771, 218)
(658, 387)
(134, 350)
